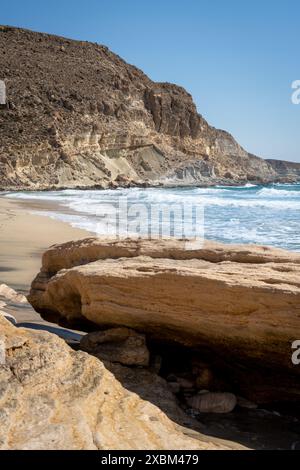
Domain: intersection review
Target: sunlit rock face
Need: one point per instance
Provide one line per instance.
(55, 398)
(239, 302)
(77, 115)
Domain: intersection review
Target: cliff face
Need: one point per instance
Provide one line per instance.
(78, 115)
(286, 170)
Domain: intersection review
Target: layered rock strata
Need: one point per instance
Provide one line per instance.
(77, 115)
(240, 303)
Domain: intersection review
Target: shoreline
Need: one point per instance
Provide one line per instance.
(177, 184)
(24, 237)
(27, 229)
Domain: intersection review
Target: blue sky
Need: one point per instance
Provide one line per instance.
(237, 58)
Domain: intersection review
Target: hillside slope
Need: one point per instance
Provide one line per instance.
(77, 115)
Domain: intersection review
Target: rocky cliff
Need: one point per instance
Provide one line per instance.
(287, 171)
(77, 115)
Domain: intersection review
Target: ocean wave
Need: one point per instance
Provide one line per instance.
(244, 186)
(278, 192)
(267, 215)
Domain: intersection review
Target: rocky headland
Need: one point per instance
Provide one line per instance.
(77, 115)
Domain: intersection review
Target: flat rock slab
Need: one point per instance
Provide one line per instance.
(243, 301)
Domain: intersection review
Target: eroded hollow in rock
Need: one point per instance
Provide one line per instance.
(192, 373)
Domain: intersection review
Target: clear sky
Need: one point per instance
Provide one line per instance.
(237, 58)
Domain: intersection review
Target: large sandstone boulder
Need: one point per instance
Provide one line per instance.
(52, 397)
(240, 302)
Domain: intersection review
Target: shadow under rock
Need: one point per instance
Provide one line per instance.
(67, 335)
(258, 429)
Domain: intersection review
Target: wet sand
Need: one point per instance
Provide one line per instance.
(24, 237)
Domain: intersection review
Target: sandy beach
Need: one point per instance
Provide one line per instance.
(23, 239)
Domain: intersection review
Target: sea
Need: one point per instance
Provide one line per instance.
(256, 214)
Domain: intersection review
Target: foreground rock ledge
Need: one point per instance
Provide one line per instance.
(55, 398)
(240, 301)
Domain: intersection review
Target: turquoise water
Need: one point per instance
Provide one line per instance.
(265, 215)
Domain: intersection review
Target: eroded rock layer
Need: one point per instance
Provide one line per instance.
(77, 115)
(240, 302)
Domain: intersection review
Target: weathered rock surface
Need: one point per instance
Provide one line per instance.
(117, 345)
(244, 403)
(10, 294)
(8, 317)
(55, 398)
(242, 303)
(205, 379)
(287, 171)
(11, 300)
(151, 387)
(213, 402)
(77, 115)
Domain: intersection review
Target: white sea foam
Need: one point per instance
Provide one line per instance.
(268, 215)
(278, 193)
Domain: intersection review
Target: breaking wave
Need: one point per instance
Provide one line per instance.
(268, 215)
